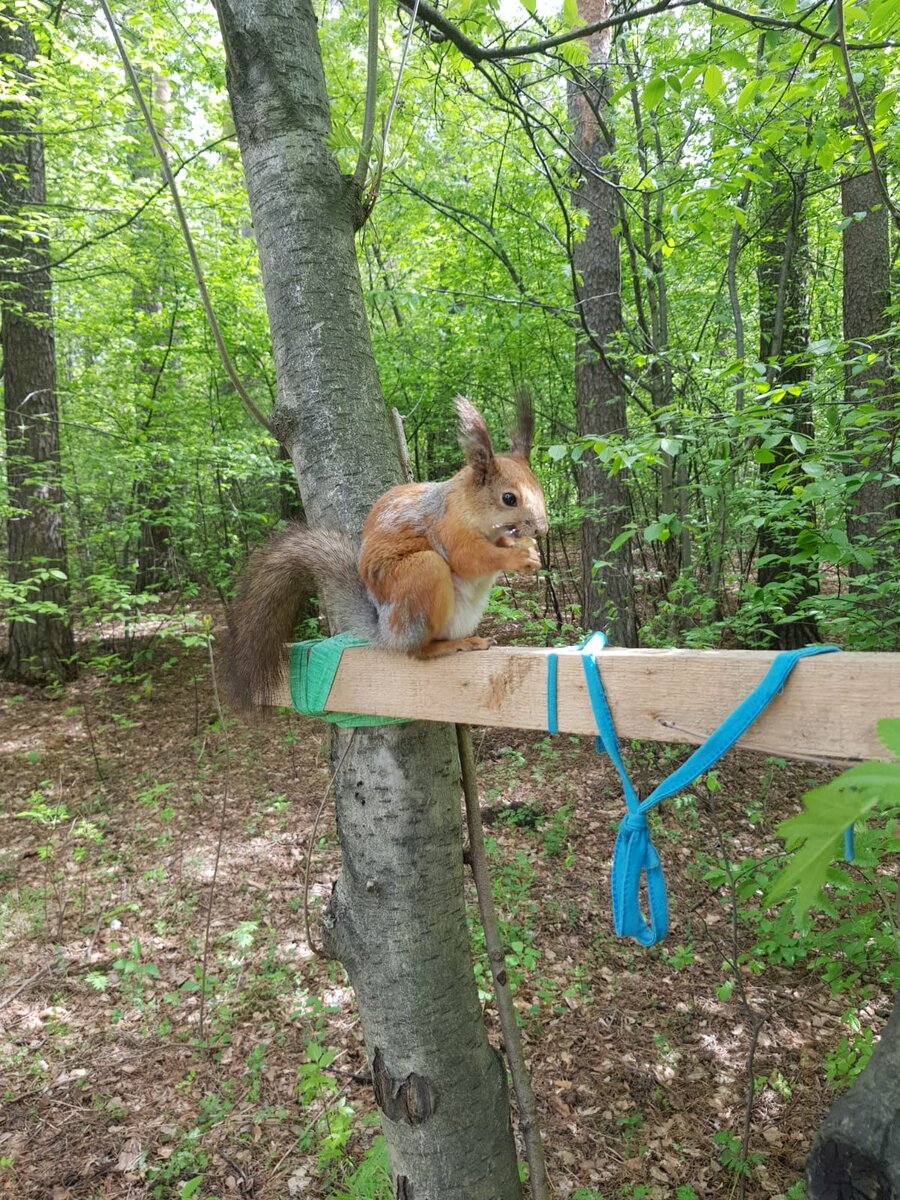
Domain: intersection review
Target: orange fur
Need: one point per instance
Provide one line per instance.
(419, 544)
(422, 574)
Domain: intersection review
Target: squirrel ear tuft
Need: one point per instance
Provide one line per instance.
(474, 439)
(521, 438)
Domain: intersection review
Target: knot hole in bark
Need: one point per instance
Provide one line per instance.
(410, 1099)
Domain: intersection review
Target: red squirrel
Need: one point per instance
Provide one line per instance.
(418, 579)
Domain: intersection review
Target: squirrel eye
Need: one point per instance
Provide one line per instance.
(509, 499)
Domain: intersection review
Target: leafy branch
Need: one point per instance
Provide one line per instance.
(827, 811)
(447, 31)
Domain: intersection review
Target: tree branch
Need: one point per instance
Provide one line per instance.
(480, 54)
(362, 166)
(129, 220)
(182, 219)
(477, 54)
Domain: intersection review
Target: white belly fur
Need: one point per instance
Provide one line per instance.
(471, 597)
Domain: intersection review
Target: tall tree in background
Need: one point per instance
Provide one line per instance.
(866, 297)
(396, 918)
(41, 648)
(783, 276)
(608, 578)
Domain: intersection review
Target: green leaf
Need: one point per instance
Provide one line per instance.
(620, 540)
(575, 53)
(571, 15)
(188, 1189)
(654, 92)
(885, 103)
(814, 833)
(889, 733)
(656, 532)
(825, 157)
(713, 81)
(748, 91)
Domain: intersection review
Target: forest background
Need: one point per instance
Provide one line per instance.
(677, 231)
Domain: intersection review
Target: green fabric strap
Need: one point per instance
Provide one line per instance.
(313, 666)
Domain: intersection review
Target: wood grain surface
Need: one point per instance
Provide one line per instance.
(827, 710)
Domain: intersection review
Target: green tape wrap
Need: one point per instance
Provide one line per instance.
(313, 666)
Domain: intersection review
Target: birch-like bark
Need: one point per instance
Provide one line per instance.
(396, 918)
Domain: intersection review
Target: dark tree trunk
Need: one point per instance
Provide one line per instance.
(782, 273)
(856, 1154)
(396, 918)
(41, 649)
(608, 578)
(866, 296)
(151, 503)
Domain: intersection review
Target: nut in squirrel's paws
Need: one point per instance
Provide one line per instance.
(528, 559)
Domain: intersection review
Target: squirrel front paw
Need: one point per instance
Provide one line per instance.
(525, 556)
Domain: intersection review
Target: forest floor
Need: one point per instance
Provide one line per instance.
(130, 820)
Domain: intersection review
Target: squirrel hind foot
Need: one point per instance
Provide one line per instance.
(442, 648)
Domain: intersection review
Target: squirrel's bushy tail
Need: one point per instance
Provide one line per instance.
(263, 615)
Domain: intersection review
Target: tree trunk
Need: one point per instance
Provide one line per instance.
(856, 1154)
(866, 296)
(41, 649)
(608, 578)
(396, 916)
(782, 273)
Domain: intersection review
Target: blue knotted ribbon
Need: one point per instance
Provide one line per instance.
(634, 855)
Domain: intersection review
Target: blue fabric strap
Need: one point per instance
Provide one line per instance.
(592, 644)
(634, 855)
(552, 673)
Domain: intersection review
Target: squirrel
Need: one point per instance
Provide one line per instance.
(417, 580)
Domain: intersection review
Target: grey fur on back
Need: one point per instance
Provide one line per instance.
(263, 616)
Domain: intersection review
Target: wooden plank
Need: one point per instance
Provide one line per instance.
(828, 709)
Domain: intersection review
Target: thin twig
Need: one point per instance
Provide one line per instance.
(756, 1023)
(182, 220)
(756, 1019)
(212, 887)
(53, 966)
(373, 192)
(98, 766)
(365, 152)
(403, 448)
(129, 220)
(528, 1119)
(311, 843)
